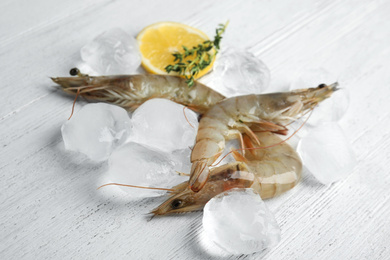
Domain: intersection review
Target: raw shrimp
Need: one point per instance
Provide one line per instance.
(231, 117)
(130, 91)
(222, 119)
(269, 172)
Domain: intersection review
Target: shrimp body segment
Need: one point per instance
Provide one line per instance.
(130, 91)
(269, 172)
(234, 116)
(277, 169)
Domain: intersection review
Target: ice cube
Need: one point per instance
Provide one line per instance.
(86, 69)
(162, 124)
(182, 160)
(326, 153)
(112, 52)
(309, 78)
(238, 72)
(96, 130)
(239, 222)
(136, 164)
(226, 156)
(329, 110)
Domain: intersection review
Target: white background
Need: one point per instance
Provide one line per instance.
(49, 205)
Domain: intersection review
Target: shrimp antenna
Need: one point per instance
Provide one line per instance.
(303, 114)
(184, 112)
(74, 102)
(134, 186)
(265, 147)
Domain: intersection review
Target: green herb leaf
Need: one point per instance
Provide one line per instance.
(201, 57)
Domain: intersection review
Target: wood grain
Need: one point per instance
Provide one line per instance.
(50, 208)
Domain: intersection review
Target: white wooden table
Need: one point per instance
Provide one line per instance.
(50, 208)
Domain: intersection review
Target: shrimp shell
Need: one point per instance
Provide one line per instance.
(231, 117)
(270, 172)
(130, 91)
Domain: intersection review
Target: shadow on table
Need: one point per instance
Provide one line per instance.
(308, 180)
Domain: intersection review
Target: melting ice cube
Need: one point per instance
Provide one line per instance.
(162, 124)
(227, 156)
(239, 222)
(96, 130)
(182, 159)
(238, 72)
(326, 153)
(309, 78)
(112, 52)
(136, 164)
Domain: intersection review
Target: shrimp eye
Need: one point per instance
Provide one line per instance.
(322, 85)
(74, 71)
(176, 203)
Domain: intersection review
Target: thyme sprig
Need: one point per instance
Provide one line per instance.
(202, 57)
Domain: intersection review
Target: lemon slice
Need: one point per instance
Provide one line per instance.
(158, 41)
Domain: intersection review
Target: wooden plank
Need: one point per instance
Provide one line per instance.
(49, 204)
